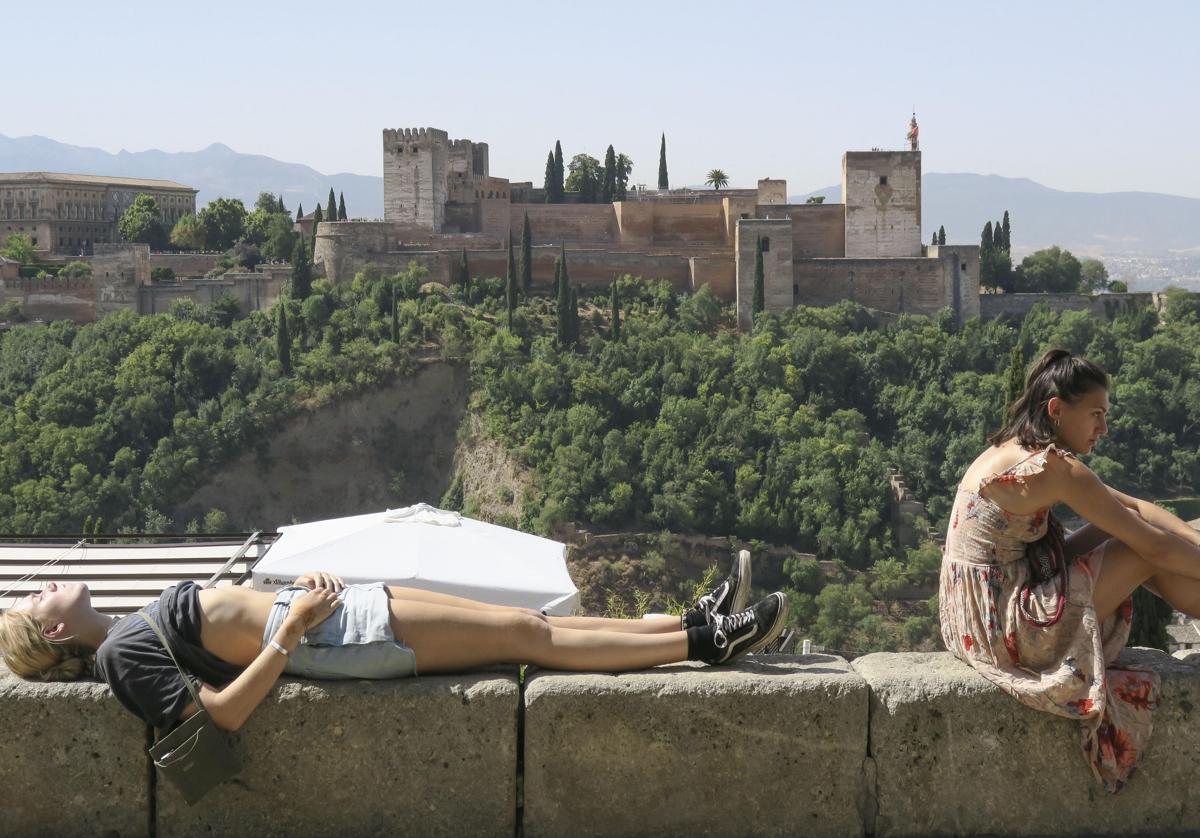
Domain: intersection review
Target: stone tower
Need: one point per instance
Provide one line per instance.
(414, 177)
(882, 194)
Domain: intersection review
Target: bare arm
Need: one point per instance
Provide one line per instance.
(231, 706)
(1159, 517)
(1071, 482)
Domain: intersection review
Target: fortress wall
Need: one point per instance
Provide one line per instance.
(719, 273)
(888, 745)
(496, 219)
(818, 230)
(909, 286)
(254, 291)
(689, 223)
(737, 207)
(51, 299)
(1105, 306)
(557, 223)
(185, 264)
(635, 221)
(461, 217)
(414, 176)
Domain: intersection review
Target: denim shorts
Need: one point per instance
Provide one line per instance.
(355, 641)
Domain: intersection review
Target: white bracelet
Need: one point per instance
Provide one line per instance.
(275, 645)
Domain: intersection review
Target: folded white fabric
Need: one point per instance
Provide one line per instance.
(423, 513)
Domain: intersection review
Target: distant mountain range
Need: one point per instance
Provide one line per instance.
(217, 171)
(1089, 223)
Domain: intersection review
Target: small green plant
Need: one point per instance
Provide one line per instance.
(614, 606)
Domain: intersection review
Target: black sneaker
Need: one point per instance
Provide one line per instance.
(748, 631)
(727, 598)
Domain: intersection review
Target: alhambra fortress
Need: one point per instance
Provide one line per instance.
(441, 199)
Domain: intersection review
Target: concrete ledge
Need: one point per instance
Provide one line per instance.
(72, 761)
(759, 748)
(434, 755)
(956, 755)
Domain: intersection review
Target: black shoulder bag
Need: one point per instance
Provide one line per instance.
(196, 756)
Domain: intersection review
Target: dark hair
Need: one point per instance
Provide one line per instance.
(1057, 373)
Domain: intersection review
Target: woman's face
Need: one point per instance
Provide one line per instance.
(1080, 425)
(56, 606)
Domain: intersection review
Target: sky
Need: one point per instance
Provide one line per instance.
(1096, 96)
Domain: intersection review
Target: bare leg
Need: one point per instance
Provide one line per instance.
(1123, 570)
(655, 625)
(446, 639)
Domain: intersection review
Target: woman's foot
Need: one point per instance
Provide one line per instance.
(730, 637)
(727, 598)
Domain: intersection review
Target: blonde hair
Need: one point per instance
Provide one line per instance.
(29, 654)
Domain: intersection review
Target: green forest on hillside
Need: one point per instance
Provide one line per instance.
(680, 423)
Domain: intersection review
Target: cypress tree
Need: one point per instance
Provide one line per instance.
(395, 316)
(283, 341)
(331, 207)
(301, 270)
(986, 239)
(941, 235)
(510, 284)
(464, 277)
(616, 312)
(548, 182)
(933, 241)
(341, 206)
(564, 300)
(759, 302)
(609, 190)
(299, 211)
(1014, 380)
(526, 257)
(1007, 232)
(318, 217)
(566, 278)
(280, 207)
(560, 188)
(997, 237)
(574, 311)
(663, 182)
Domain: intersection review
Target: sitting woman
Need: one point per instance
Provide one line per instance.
(235, 642)
(1045, 616)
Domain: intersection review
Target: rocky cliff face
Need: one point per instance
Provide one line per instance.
(390, 447)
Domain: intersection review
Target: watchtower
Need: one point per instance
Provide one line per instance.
(414, 177)
(882, 193)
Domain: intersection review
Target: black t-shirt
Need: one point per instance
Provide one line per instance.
(138, 669)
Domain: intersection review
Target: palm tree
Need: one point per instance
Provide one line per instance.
(716, 179)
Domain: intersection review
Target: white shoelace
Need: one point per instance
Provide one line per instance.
(731, 624)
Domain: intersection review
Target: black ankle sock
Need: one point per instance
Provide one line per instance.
(701, 644)
(694, 618)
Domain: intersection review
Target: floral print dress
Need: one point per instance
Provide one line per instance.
(1067, 668)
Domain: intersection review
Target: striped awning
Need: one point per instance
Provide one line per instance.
(125, 577)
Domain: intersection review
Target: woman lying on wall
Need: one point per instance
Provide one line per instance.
(1044, 614)
(235, 642)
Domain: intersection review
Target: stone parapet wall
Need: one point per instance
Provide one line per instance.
(889, 745)
(1105, 306)
(185, 264)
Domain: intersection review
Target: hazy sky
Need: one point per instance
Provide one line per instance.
(1096, 96)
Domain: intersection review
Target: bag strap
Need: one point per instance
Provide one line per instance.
(145, 615)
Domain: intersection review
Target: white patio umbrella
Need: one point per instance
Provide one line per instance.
(423, 547)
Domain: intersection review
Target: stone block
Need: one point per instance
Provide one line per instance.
(773, 745)
(955, 755)
(72, 761)
(433, 755)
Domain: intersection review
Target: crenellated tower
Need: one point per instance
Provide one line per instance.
(415, 162)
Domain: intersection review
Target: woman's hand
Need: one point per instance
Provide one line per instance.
(314, 607)
(319, 579)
